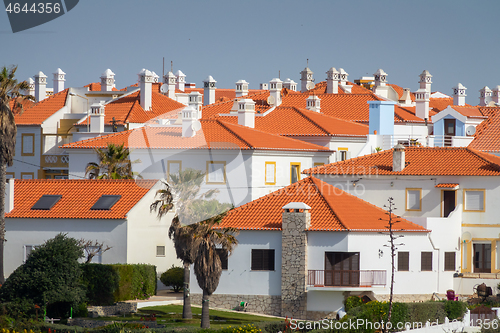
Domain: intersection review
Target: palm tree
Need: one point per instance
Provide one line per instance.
(10, 90)
(114, 163)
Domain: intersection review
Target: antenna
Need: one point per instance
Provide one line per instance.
(279, 75)
(163, 73)
(172, 66)
(307, 62)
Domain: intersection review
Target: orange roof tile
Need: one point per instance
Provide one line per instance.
(487, 137)
(214, 134)
(38, 113)
(225, 105)
(400, 91)
(26, 103)
(471, 111)
(439, 104)
(74, 205)
(95, 86)
(320, 88)
(447, 185)
(420, 161)
(332, 209)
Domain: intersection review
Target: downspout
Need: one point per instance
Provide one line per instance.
(439, 259)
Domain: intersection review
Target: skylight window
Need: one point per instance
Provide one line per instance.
(105, 202)
(46, 202)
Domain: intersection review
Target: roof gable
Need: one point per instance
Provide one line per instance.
(42, 110)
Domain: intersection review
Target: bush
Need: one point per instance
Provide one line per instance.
(135, 281)
(352, 302)
(454, 309)
(173, 277)
(426, 311)
(101, 282)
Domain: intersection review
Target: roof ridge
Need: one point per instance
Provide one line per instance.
(238, 136)
(482, 156)
(298, 110)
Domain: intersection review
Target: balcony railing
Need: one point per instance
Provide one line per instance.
(55, 161)
(346, 278)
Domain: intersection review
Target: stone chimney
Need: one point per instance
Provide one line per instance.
(313, 103)
(190, 123)
(31, 89)
(343, 76)
(485, 96)
(107, 80)
(58, 80)
(422, 97)
(296, 219)
(196, 102)
(146, 79)
(40, 86)
(306, 80)
(496, 95)
(426, 81)
(209, 90)
(169, 81)
(241, 88)
(290, 84)
(181, 80)
(275, 86)
(398, 158)
(9, 195)
(246, 112)
(332, 81)
(97, 118)
(381, 119)
(459, 95)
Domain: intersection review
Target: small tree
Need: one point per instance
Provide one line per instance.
(114, 163)
(173, 277)
(92, 248)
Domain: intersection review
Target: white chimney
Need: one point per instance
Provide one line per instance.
(97, 118)
(241, 88)
(181, 80)
(58, 80)
(246, 112)
(156, 77)
(406, 98)
(459, 95)
(196, 102)
(485, 96)
(9, 195)
(31, 89)
(332, 81)
(422, 97)
(496, 95)
(107, 80)
(425, 81)
(190, 123)
(290, 84)
(380, 78)
(40, 86)
(275, 86)
(398, 158)
(209, 90)
(168, 86)
(313, 103)
(146, 79)
(306, 79)
(343, 75)
(264, 86)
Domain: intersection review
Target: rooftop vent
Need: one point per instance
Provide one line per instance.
(105, 202)
(46, 202)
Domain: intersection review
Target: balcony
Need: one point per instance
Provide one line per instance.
(55, 161)
(346, 278)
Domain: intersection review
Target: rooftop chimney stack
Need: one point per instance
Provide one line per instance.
(496, 95)
(343, 75)
(58, 80)
(156, 77)
(209, 90)
(97, 118)
(485, 96)
(196, 102)
(275, 86)
(422, 98)
(190, 123)
(313, 103)
(241, 88)
(40, 86)
(290, 84)
(426, 81)
(264, 86)
(181, 80)
(306, 80)
(459, 95)
(107, 80)
(246, 112)
(398, 158)
(380, 78)
(169, 81)
(146, 79)
(332, 81)
(31, 89)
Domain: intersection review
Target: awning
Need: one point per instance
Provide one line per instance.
(448, 186)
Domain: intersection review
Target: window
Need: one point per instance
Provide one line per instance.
(270, 173)
(46, 202)
(105, 202)
(27, 175)
(294, 172)
(426, 261)
(262, 260)
(160, 251)
(474, 200)
(28, 144)
(403, 261)
(216, 172)
(173, 168)
(449, 261)
(27, 250)
(343, 154)
(223, 257)
(414, 199)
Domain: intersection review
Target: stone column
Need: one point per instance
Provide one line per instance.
(296, 219)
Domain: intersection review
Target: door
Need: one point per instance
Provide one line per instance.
(482, 258)
(341, 268)
(449, 131)
(449, 202)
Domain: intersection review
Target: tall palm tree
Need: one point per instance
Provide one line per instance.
(10, 90)
(114, 163)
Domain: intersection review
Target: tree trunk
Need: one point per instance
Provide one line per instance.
(3, 170)
(205, 315)
(186, 309)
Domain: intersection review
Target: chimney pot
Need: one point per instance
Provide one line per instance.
(209, 90)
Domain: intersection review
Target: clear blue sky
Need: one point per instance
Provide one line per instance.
(456, 40)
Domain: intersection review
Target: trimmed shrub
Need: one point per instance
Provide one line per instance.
(455, 309)
(173, 277)
(101, 282)
(352, 302)
(135, 281)
(426, 311)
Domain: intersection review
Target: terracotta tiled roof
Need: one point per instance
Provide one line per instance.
(439, 161)
(399, 90)
(407, 114)
(222, 94)
(331, 210)
(214, 134)
(447, 185)
(95, 86)
(292, 121)
(38, 113)
(320, 88)
(26, 103)
(78, 196)
(225, 105)
(471, 111)
(487, 137)
(439, 104)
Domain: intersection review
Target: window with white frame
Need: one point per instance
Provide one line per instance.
(216, 172)
(413, 199)
(474, 200)
(160, 251)
(270, 173)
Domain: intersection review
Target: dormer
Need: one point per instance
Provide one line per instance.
(58, 80)
(459, 95)
(306, 80)
(40, 86)
(241, 88)
(290, 84)
(485, 96)
(313, 103)
(332, 81)
(275, 86)
(425, 81)
(107, 80)
(181, 80)
(209, 90)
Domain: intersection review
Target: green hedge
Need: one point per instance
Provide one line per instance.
(101, 281)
